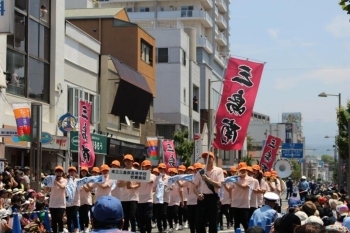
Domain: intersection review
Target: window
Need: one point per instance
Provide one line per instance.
(28, 51)
(129, 9)
(144, 9)
(74, 94)
(225, 155)
(162, 55)
(186, 11)
(195, 92)
(215, 99)
(183, 57)
(185, 95)
(146, 52)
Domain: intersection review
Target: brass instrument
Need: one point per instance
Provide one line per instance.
(270, 179)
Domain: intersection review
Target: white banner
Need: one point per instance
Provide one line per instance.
(7, 16)
(129, 175)
(57, 143)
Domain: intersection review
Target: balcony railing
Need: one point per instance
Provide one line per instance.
(221, 5)
(221, 39)
(207, 4)
(203, 42)
(220, 59)
(221, 22)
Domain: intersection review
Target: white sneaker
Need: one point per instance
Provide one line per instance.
(186, 225)
(181, 227)
(177, 227)
(154, 225)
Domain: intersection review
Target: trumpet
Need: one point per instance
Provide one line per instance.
(270, 179)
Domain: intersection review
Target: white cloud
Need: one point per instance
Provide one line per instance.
(339, 26)
(273, 32)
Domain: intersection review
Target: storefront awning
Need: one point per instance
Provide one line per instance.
(133, 96)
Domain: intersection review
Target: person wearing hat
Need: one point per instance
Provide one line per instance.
(208, 182)
(155, 172)
(162, 197)
(116, 192)
(136, 165)
(240, 204)
(303, 188)
(145, 203)
(225, 206)
(254, 198)
(275, 186)
(108, 215)
(102, 189)
(129, 196)
(289, 185)
(57, 202)
(175, 202)
(85, 202)
(267, 211)
(233, 171)
(72, 208)
(191, 201)
(264, 187)
(183, 209)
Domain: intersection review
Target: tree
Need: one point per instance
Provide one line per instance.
(296, 170)
(250, 145)
(248, 160)
(328, 159)
(184, 147)
(345, 5)
(343, 114)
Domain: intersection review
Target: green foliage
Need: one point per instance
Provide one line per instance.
(335, 175)
(296, 173)
(184, 147)
(345, 5)
(342, 141)
(248, 160)
(328, 159)
(249, 143)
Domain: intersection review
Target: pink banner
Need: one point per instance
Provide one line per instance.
(169, 153)
(86, 148)
(241, 86)
(269, 153)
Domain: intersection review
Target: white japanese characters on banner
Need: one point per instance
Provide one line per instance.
(129, 175)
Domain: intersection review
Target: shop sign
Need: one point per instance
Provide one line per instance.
(45, 138)
(57, 143)
(99, 142)
(66, 123)
(8, 132)
(13, 139)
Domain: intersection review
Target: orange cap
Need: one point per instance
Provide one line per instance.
(155, 170)
(197, 166)
(267, 174)
(233, 169)
(205, 154)
(162, 166)
(190, 168)
(59, 168)
(96, 169)
(249, 168)
(182, 168)
(84, 169)
(72, 168)
(136, 164)
(146, 163)
(225, 172)
(256, 167)
(104, 167)
(116, 163)
(173, 170)
(274, 173)
(128, 157)
(242, 166)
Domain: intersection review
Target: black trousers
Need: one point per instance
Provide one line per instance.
(71, 213)
(129, 208)
(289, 193)
(224, 210)
(251, 211)
(84, 216)
(191, 217)
(154, 213)
(144, 217)
(207, 212)
(161, 210)
(183, 213)
(57, 219)
(172, 214)
(240, 216)
(303, 196)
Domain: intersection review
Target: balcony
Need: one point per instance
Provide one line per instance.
(204, 43)
(207, 4)
(187, 15)
(216, 11)
(221, 39)
(221, 22)
(221, 5)
(216, 30)
(220, 59)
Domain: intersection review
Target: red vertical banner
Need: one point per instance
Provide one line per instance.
(268, 156)
(86, 148)
(169, 153)
(241, 85)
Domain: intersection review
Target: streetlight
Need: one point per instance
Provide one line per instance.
(210, 124)
(324, 94)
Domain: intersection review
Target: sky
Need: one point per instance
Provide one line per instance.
(306, 47)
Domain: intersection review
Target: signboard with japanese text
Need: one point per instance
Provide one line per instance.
(8, 132)
(7, 16)
(197, 145)
(57, 143)
(292, 150)
(169, 153)
(86, 150)
(129, 175)
(268, 156)
(241, 84)
(99, 142)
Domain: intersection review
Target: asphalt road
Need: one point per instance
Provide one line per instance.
(284, 208)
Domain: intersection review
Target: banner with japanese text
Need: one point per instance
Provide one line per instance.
(169, 153)
(86, 148)
(22, 116)
(152, 150)
(241, 84)
(269, 154)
